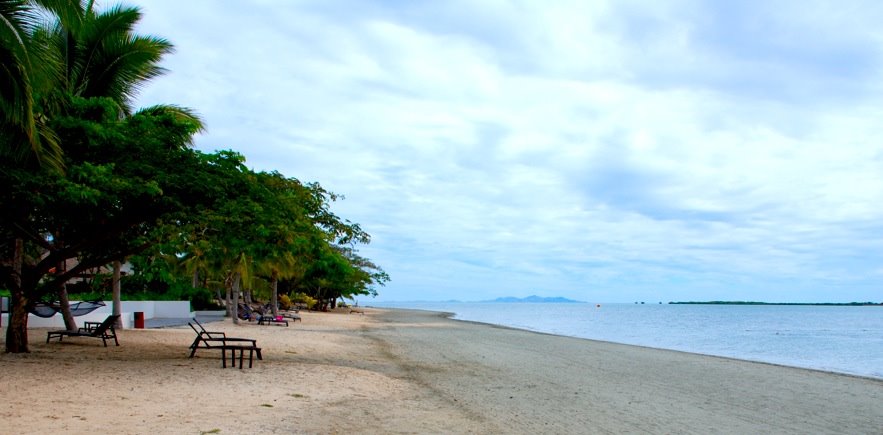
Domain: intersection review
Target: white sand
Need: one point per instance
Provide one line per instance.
(403, 371)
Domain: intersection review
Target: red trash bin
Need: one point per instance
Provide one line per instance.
(139, 320)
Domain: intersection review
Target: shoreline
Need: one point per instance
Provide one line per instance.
(772, 358)
(450, 316)
(701, 393)
(410, 371)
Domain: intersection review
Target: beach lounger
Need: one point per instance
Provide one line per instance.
(219, 340)
(289, 315)
(265, 316)
(269, 319)
(103, 330)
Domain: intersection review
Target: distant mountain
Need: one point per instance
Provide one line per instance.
(534, 299)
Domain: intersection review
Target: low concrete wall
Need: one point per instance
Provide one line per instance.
(159, 309)
(151, 310)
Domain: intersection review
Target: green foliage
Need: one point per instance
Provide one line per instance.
(301, 298)
(285, 302)
(128, 186)
(24, 137)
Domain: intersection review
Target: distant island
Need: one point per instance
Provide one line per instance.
(535, 299)
(837, 304)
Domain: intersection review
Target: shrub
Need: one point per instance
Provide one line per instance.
(300, 298)
(285, 302)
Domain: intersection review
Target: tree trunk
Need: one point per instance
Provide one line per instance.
(64, 302)
(117, 294)
(220, 298)
(235, 288)
(274, 293)
(17, 331)
(195, 281)
(228, 285)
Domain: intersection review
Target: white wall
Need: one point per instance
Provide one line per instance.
(151, 310)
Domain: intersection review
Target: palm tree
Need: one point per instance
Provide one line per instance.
(24, 136)
(97, 54)
(77, 53)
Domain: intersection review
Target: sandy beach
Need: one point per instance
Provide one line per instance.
(401, 371)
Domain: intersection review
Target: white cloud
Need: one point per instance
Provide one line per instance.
(598, 150)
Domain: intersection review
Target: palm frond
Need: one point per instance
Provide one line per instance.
(182, 116)
(123, 65)
(24, 136)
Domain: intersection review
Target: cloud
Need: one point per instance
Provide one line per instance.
(605, 151)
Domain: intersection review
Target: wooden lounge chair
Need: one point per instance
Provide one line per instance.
(294, 316)
(103, 330)
(269, 319)
(219, 340)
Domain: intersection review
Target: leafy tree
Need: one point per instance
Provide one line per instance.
(95, 54)
(130, 180)
(289, 229)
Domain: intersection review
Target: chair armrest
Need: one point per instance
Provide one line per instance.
(214, 335)
(89, 326)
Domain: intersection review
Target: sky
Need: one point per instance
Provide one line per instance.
(604, 151)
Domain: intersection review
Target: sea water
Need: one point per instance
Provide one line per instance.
(844, 339)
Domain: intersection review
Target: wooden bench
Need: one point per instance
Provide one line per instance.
(241, 348)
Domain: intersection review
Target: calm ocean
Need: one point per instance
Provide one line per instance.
(831, 338)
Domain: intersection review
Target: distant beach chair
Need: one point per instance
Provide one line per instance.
(265, 316)
(269, 319)
(289, 315)
(246, 312)
(103, 330)
(219, 340)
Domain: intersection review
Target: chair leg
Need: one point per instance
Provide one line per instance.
(193, 347)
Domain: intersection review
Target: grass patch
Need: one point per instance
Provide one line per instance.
(215, 430)
(297, 395)
(266, 405)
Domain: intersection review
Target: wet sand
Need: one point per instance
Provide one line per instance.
(402, 371)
